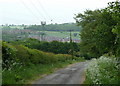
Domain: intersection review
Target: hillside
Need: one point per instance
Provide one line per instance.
(56, 27)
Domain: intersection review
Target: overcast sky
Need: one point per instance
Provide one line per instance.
(34, 11)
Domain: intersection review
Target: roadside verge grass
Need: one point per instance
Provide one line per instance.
(26, 75)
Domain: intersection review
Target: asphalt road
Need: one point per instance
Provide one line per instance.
(73, 74)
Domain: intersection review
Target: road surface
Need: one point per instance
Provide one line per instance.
(73, 74)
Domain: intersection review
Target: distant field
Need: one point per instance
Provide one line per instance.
(13, 27)
(18, 27)
(52, 31)
(63, 34)
(14, 34)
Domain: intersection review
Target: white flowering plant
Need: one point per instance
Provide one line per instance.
(104, 70)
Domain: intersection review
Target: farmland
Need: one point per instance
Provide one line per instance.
(16, 34)
(19, 32)
(61, 34)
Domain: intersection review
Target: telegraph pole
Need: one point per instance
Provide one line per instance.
(43, 23)
(70, 37)
(71, 43)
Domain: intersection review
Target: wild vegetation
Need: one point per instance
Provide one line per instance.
(19, 61)
(101, 35)
(103, 71)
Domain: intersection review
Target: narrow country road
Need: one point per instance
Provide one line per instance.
(73, 74)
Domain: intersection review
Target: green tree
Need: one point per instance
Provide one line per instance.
(98, 27)
(114, 9)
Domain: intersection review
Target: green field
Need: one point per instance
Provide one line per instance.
(13, 27)
(62, 34)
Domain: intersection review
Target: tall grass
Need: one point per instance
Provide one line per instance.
(102, 71)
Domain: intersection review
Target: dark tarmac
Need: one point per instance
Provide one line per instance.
(73, 74)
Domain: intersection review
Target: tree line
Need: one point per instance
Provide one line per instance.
(55, 27)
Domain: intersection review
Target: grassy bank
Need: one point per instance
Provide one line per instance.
(26, 75)
(22, 64)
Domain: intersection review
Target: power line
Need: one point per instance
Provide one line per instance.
(37, 9)
(30, 10)
(44, 9)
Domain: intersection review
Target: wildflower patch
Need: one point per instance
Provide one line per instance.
(102, 71)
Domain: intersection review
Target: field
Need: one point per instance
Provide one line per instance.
(13, 27)
(62, 34)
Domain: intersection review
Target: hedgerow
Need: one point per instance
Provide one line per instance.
(12, 54)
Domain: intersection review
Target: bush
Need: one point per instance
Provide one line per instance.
(102, 71)
(64, 48)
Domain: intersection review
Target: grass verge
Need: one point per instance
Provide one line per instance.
(25, 75)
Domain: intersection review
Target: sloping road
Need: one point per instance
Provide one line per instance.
(73, 74)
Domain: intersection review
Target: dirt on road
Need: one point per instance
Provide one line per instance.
(73, 74)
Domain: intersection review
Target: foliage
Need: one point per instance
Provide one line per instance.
(114, 9)
(54, 46)
(102, 71)
(100, 30)
(8, 55)
(31, 43)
